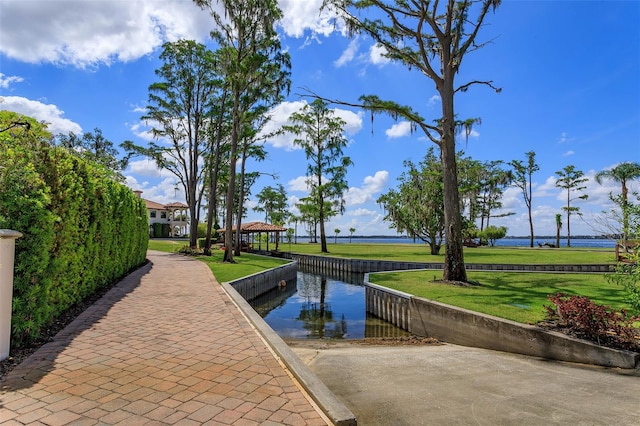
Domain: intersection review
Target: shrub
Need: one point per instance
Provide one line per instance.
(493, 233)
(627, 275)
(585, 319)
(81, 229)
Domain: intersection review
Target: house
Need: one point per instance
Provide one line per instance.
(166, 220)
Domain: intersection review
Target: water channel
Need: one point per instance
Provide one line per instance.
(321, 305)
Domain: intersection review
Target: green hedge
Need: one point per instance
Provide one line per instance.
(82, 230)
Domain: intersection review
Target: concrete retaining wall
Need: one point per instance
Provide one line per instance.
(255, 285)
(463, 327)
(366, 266)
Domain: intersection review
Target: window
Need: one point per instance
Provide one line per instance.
(163, 215)
(152, 213)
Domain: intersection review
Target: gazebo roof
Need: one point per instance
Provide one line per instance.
(252, 227)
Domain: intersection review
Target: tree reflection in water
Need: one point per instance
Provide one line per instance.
(318, 316)
(322, 305)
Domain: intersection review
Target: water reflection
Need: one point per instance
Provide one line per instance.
(322, 305)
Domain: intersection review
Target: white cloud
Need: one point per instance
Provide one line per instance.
(47, 113)
(353, 121)
(371, 186)
(6, 81)
(376, 55)
(348, 54)
(298, 184)
(299, 16)
(88, 33)
(511, 199)
(399, 130)
(463, 135)
(568, 153)
(146, 167)
(280, 117)
(547, 188)
(361, 213)
(434, 100)
(142, 131)
(165, 191)
(564, 138)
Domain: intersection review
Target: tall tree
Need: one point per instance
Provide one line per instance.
(416, 207)
(558, 228)
(470, 172)
(571, 180)
(320, 133)
(273, 203)
(256, 72)
(432, 37)
(95, 148)
(247, 179)
(493, 181)
(179, 109)
(522, 178)
(309, 216)
(217, 162)
(622, 173)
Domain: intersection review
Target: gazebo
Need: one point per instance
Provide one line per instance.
(178, 218)
(249, 229)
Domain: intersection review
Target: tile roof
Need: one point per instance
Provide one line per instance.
(257, 227)
(157, 206)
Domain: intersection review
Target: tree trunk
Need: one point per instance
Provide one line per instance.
(530, 228)
(238, 245)
(568, 218)
(193, 211)
(454, 269)
(228, 234)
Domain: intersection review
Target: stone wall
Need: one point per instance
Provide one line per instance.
(257, 284)
(365, 266)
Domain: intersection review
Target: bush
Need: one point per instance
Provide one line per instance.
(81, 229)
(587, 320)
(493, 233)
(627, 275)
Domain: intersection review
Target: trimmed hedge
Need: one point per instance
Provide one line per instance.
(82, 230)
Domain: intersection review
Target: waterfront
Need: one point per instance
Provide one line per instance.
(505, 242)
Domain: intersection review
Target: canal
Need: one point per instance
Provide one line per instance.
(321, 305)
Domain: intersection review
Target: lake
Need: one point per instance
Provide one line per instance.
(505, 242)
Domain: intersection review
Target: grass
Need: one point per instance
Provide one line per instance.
(246, 264)
(168, 246)
(420, 253)
(515, 296)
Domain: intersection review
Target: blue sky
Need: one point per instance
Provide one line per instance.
(569, 70)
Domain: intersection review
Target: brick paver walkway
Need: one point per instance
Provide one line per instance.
(165, 346)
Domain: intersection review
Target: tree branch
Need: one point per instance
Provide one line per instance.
(376, 105)
(489, 83)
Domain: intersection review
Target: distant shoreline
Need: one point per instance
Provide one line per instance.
(508, 237)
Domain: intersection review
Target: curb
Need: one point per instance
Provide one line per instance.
(330, 405)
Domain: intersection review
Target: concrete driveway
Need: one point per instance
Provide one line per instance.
(456, 385)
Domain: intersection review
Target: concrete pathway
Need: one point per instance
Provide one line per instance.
(457, 385)
(165, 346)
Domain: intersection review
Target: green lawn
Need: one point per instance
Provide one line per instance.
(168, 246)
(512, 295)
(246, 264)
(420, 253)
(516, 296)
